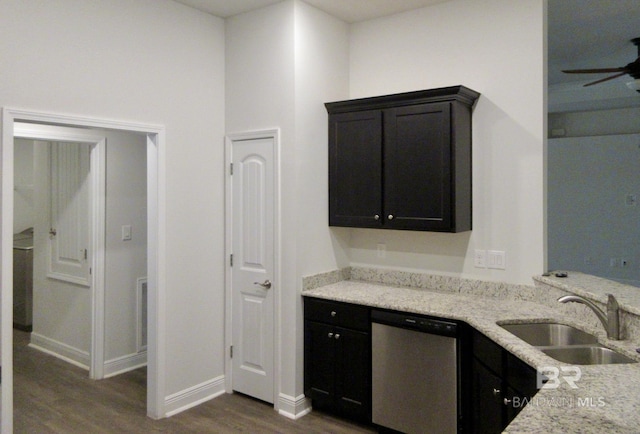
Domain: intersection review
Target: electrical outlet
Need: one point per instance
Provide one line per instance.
(480, 258)
(496, 259)
(630, 200)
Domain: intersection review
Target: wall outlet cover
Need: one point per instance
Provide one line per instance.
(496, 259)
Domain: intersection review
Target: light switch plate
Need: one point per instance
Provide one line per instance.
(126, 232)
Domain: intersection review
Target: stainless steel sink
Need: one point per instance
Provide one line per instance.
(586, 355)
(566, 344)
(549, 334)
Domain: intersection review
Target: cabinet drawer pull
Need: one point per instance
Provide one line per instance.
(506, 401)
(333, 313)
(496, 392)
(376, 217)
(337, 336)
(330, 335)
(390, 217)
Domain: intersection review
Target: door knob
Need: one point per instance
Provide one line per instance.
(266, 284)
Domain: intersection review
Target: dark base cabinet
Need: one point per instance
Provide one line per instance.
(337, 358)
(501, 384)
(493, 385)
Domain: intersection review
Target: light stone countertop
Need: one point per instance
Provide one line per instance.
(595, 288)
(607, 399)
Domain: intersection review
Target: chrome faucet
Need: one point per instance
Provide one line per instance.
(610, 321)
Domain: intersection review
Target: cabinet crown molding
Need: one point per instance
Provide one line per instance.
(452, 93)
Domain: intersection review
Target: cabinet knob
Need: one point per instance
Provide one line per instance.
(333, 313)
(337, 336)
(330, 335)
(506, 401)
(376, 217)
(496, 392)
(390, 217)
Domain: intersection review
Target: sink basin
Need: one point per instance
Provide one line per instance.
(587, 355)
(566, 344)
(549, 334)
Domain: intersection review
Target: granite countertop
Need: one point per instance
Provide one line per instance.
(595, 288)
(607, 398)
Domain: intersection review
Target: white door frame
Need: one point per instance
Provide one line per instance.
(273, 134)
(97, 197)
(156, 220)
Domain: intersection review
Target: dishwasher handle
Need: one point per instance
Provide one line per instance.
(423, 324)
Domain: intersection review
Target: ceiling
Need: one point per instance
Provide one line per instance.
(582, 33)
(591, 34)
(350, 11)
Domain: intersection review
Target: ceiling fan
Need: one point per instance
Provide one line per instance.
(633, 69)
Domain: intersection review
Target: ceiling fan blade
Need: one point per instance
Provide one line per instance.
(606, 79)
(594, 71)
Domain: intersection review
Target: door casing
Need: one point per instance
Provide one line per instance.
(156, 221)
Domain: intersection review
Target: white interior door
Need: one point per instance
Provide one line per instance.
(69, 213)
(252, 270)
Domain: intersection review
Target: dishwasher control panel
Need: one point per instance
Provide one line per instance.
(414, 322)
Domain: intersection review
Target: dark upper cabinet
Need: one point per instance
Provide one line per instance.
(402, 161)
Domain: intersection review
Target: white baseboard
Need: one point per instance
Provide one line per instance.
(60, 350)
(293, 408)
(124, 364)
(184, 400)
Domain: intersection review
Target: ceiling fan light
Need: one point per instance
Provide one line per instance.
(634, 84)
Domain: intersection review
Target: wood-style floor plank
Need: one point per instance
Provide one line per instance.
(52, 396)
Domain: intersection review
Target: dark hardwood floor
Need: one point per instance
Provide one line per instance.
(52, 396)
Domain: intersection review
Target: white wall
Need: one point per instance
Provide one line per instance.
(591, 222)
(322, 75)
(260, 95)
(283, 63)
(126, 261)
(495, 47)
(23, 185)
(148, 61)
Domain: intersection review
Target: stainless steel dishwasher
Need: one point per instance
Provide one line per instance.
(414, 373)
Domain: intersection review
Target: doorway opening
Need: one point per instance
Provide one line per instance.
(152, 283)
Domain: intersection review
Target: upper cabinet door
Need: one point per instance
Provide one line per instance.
(355, 169)
(417, 167)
